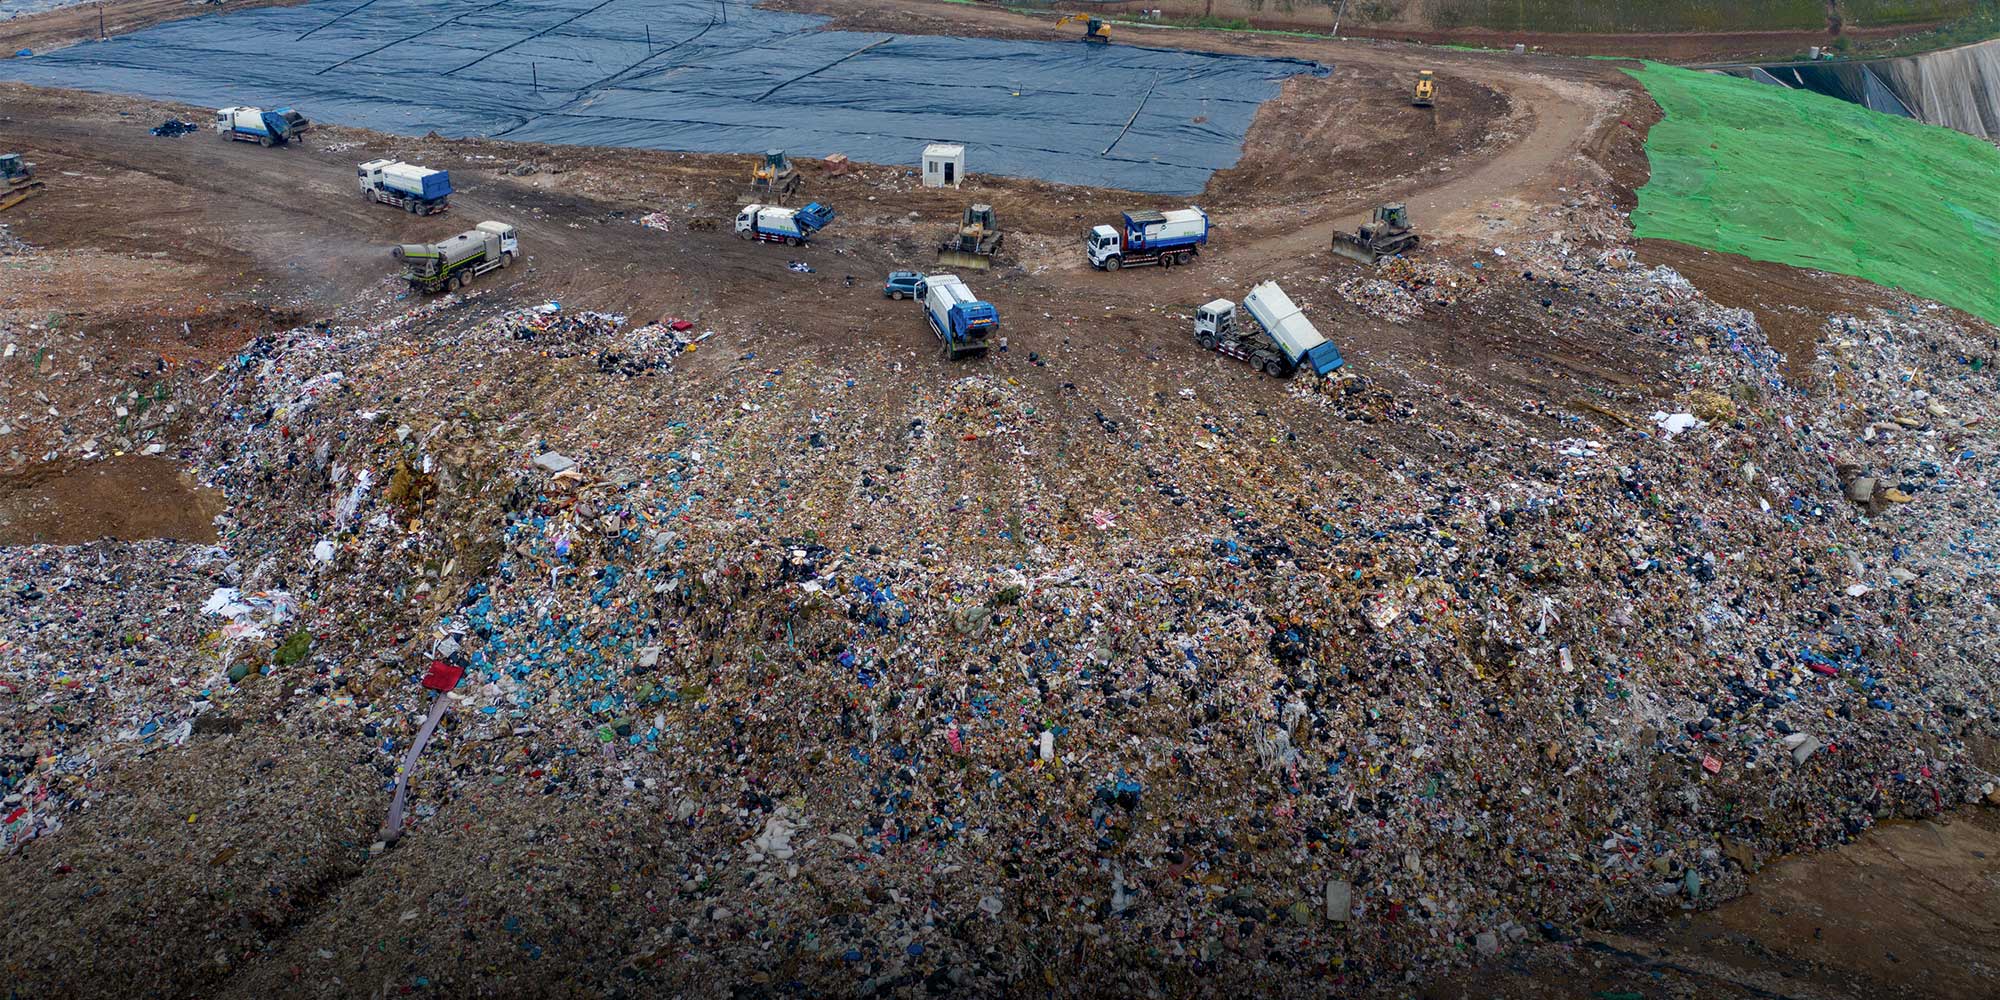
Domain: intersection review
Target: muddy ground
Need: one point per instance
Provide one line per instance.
(190, 247)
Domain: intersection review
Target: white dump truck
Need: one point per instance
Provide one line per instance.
(434, 267)
(416, 190)
(265, 128)
(1278, 340)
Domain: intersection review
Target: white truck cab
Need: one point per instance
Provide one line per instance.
(1216, 319)
(510, 244)
(1103, 245)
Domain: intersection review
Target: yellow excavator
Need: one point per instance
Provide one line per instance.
(1427, 89)
(17, 181)
(1095, 31)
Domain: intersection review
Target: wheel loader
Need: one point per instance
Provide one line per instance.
(1386, 234)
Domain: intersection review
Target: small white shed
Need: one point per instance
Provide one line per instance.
(944, 164)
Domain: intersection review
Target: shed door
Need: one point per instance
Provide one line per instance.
(950, 175)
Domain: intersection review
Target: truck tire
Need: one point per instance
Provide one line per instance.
(1111, 263)
(410, 206)
(264, 141)
(506, 260)
(791, 241)
(743, 234)
(1166, 261)
(1183, 257)
(370, 195)
(1207, 342)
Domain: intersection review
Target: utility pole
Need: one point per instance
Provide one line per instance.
(1337, 16)
(100, 22)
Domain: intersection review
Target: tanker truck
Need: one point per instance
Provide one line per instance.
(416, 190)
(434, 267)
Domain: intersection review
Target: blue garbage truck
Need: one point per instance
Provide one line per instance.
(963, 324)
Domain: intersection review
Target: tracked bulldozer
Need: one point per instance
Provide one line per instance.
(1386, 234)
(775, 177)
(17, 181)
(977, 239)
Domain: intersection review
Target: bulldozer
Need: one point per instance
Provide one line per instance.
(1427, 89)
(976, 241)
(1095, 31)
(17, 181)
(1386, 234)
(775, 177)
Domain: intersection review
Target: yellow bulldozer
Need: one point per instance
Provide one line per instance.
(1095, 30)
(17, 181)
(775, 177)
(1427, 89)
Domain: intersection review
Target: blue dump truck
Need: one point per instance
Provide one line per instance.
(265, 128)
(790, 226)
(1278, 340)
(1163, 238)
(962, 323)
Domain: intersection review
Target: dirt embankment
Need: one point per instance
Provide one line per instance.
(85, 22)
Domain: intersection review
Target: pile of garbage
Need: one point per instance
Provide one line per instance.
(174, 127)
(861, 678)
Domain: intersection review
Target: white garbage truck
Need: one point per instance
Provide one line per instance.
(1278, 340)
(265, 128)
(416, 190)
(434, 267)
(1149, 237)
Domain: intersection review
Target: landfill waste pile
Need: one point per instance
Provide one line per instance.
(173, 127)
(830, 678)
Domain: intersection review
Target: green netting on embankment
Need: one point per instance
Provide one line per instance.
(1797, 178)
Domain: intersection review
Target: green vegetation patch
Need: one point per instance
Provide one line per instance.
(1797, 178)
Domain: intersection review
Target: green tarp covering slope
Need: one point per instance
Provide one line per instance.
(1797, 178)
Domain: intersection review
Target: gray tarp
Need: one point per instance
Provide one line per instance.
(580, 72)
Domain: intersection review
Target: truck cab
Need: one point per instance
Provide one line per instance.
(1104, 245)
(1215, 321)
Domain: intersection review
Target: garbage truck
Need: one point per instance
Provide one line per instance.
(265, 128)
(1149, 237)
(416, 190)
(1278, 340)
(434, 267)
(962, 322)
(790, 226)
